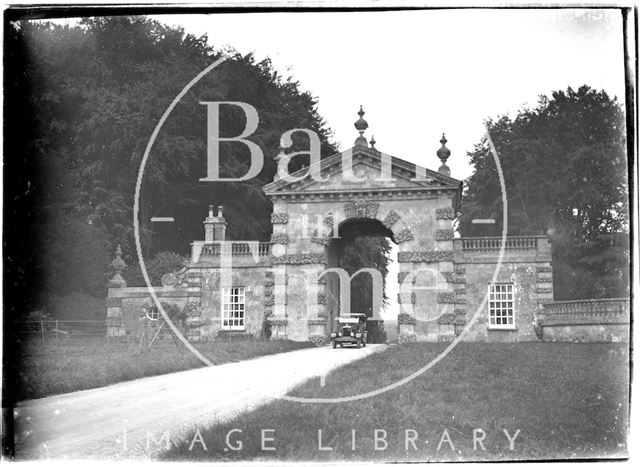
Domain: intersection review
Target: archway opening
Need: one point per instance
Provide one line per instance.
(363, 243)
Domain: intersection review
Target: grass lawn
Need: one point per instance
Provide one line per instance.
(567, 400)
(66, 365)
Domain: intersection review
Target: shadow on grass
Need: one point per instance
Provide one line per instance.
(568, 401)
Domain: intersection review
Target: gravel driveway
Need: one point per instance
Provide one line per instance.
(126, 419)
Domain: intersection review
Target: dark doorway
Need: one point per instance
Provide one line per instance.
(362, 243)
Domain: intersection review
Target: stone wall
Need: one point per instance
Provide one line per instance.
(526, 264)
(126, 307)
(604, 320)
(420, 225)
(247, 264)
(478, 277)
(448, 284)
(209, 282)
(197, 290)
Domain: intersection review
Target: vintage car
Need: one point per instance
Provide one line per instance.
(350, 329)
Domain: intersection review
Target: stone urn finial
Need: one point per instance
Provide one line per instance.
(361, 125)
(443, 154)
(118, 265)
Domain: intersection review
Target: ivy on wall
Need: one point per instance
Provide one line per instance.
(404, 236)
(280, 321)
(425, 256)
(406, 318)
(447, 318)
(446, 297)
(453, 278)
(391, 218)
(279, 218)
(402, 275)
(270, 279)
(361, 208)
(444, 234)
(300, 258)
(445, 213)
(282, 239)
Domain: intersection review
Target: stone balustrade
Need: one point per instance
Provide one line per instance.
(585, 320)
(216, 249)
(495, 243)
(603, 311)
(527, 248)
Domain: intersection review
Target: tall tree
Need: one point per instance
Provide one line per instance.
(85, 99)
(565, 171)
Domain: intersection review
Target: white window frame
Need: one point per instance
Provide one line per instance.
(233, 308)
(501, 306)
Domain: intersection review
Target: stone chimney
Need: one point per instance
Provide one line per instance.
(214, 227)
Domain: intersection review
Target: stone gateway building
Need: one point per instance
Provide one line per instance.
(291, 287)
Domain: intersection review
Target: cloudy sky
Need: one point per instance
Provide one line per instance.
(421, 73)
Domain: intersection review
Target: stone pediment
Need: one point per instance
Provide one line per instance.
(366, 176)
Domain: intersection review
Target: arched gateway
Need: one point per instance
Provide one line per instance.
(416, 205)
(282, 287)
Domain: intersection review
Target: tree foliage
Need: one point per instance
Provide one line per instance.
(84, 100)
(565, 172)
(161, 264)
(363, 245)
